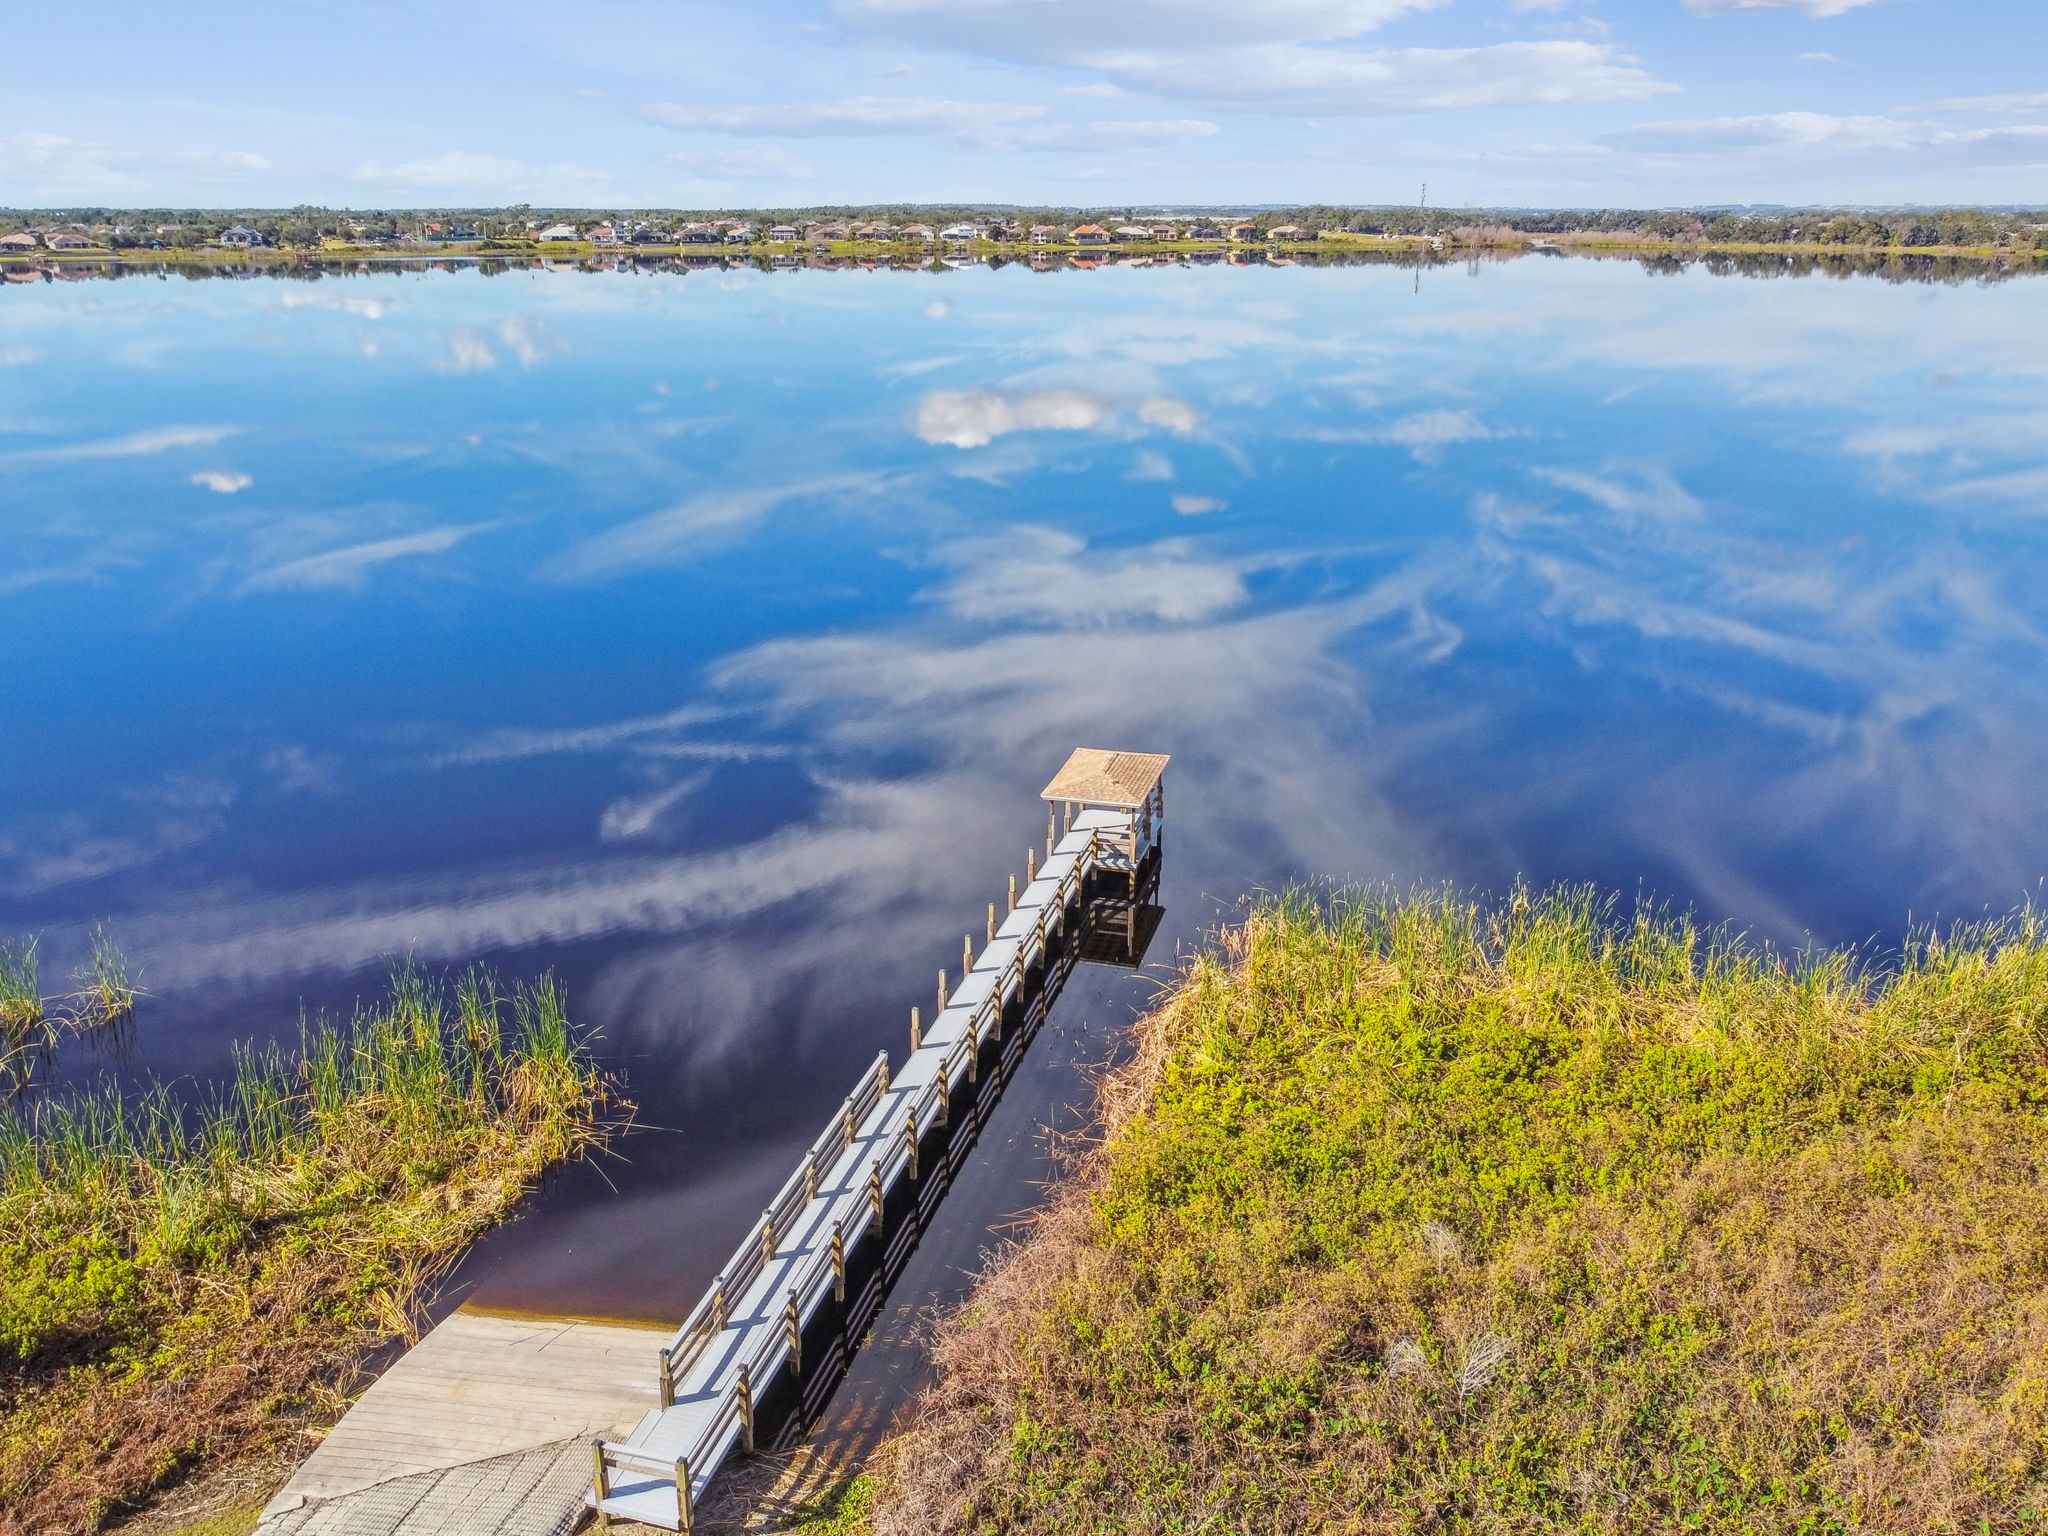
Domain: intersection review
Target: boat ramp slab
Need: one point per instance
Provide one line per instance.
(518, 1392)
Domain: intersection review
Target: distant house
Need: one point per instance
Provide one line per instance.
(831, 232)
(1089, 234)
(739, 234)
(20, 240)
(699, 234)
(874, 232)
(959, 232)
(602, 234)
(1047, 234)
(1244, 232)
(1164, 232)
(922, 232)
(1204, 232)
(240, 236)
(1133, 232)
(1290, 232)
(557, 232)
(783, 232)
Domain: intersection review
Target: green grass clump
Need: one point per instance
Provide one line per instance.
(106, 983)
(182, 1283)
(1431, 1216)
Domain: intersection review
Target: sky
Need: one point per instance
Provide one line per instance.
(402, 103)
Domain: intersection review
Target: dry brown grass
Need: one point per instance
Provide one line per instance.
(1411, 1217)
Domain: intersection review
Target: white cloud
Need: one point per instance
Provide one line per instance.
(1366, 82)
(1635, 493)
(691, 527)
(938, 309)
(2027, 101)
(848, 115)
(972, 418)
(637, 815)
(32, 161)
(1176, 416)
(1288, 54)
(1102, 137)
(225, 481)
(347, 567)
(1818, 58)
(1819, 138)
(15, 357)
(1045, 576)
(1804, 7)
(128, 446)
(1425, 434)
(742, 163)
(1057, 31)
(470, 349)
(1763, 130)
(1196, 506)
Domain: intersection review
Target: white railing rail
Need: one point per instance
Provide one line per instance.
(837, 1192)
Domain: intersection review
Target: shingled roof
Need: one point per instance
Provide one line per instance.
(1095, 777)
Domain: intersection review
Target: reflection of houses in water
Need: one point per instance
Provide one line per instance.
(761, 1354)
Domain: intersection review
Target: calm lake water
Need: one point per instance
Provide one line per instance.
(707, 636)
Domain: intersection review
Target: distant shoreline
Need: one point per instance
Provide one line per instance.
(759, 251)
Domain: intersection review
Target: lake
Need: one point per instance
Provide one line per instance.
(707, 635)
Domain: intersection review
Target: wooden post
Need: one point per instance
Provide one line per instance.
(668, 1380)
(847, 1131)
(942, 992)
(811, 1174)
(910, 1143)
(992, 911)
(916, 1031)
(718, 1306)
(839, 1262)
(966, 954)
(793, 1328)
(973, 1052)
(767, 1237)
(1050, 815)
(686, 1501)
(1070, 815)
(885, 1072)
(746, 1397)
(601, 1479)
(1030, 865)
(1013, 893)
(875, 1194)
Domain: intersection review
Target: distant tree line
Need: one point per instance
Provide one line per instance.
(307, 227)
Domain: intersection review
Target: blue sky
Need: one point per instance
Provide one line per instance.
(1641, 102)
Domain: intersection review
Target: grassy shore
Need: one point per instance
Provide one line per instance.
(1429, 1216)
(180, 1286)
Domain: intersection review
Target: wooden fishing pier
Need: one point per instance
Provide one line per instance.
(778, 1320)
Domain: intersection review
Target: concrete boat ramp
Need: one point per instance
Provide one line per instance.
(483, 1426)
(520, 1425)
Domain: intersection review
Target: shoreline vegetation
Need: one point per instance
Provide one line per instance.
(1434, 1216)
(188, 1284)
(1452, 243)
